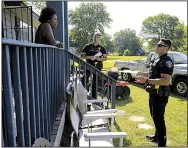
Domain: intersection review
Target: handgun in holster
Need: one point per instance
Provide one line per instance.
(149, 88)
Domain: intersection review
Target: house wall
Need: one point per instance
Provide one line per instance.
(8, 17)
(23, 22)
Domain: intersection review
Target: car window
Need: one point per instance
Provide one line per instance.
(171, 55)
(180, 58)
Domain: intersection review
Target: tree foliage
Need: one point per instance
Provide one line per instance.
(37, 5)
(126, 40)
(107, 42)
(163, 25)
(85, 19)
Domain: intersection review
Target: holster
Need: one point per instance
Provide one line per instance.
(98, 65)
(163, 91)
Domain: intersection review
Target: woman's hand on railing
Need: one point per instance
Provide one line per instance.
(59, 44)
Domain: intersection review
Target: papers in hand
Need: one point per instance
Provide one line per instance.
(97, 55)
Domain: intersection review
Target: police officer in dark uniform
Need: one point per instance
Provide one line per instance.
(157, 84)
(88, 53)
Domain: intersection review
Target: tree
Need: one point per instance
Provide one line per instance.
(126, 40)
(37, 5)
(85, 19)
(163, 25)
(184, 48)
(107, 42)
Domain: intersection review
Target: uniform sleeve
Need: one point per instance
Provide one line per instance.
(85, 49)
(166, 67)
(103, 50)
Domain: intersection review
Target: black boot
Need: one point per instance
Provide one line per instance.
(152, 138)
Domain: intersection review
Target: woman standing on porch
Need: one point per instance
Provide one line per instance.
(44, 34)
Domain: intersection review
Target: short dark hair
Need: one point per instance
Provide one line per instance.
(167, 42)
(46, 14)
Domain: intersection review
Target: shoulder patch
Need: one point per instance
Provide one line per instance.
(169, 64)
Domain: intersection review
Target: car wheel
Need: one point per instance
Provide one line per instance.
(126, 76)
(180, 87)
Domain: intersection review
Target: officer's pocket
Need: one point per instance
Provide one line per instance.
(163, 91)
(166, 91)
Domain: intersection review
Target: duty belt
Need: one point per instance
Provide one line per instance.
(155, 90)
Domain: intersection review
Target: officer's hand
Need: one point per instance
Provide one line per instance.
(139, 74)
(141, 80)
(97, 58)
(92, 58)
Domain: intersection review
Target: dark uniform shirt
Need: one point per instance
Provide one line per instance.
(162, 65)
(91, 50)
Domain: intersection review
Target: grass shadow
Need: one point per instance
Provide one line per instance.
(180, 98)
(124, 101)
(126, 141)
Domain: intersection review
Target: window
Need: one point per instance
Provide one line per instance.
(178, 58)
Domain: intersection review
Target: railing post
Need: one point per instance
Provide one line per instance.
(48, 90)
(7, 89)
(113, 94)
(36, 90)
(2, 139)
(66, 37)
(31, 24)
(17, 96)
(40, 91)
(25, 96)
(43, 58)
(31, 94)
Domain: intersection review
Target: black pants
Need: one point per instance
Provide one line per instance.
(88, 74)
(157, 106)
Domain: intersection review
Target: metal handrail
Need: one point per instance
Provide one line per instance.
(26, 44)
(34, 80)
(21, 43)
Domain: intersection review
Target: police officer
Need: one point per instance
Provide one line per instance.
(157, 84)
(88, 53)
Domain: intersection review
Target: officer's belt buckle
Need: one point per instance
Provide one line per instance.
(157, 88)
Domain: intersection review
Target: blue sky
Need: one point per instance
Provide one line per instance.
(131, 14)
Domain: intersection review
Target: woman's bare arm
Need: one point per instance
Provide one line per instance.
(48, 33)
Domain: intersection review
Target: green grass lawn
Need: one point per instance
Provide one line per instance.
(137, 105)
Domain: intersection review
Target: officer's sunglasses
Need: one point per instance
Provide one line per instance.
(98, 37)
(160, 45)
